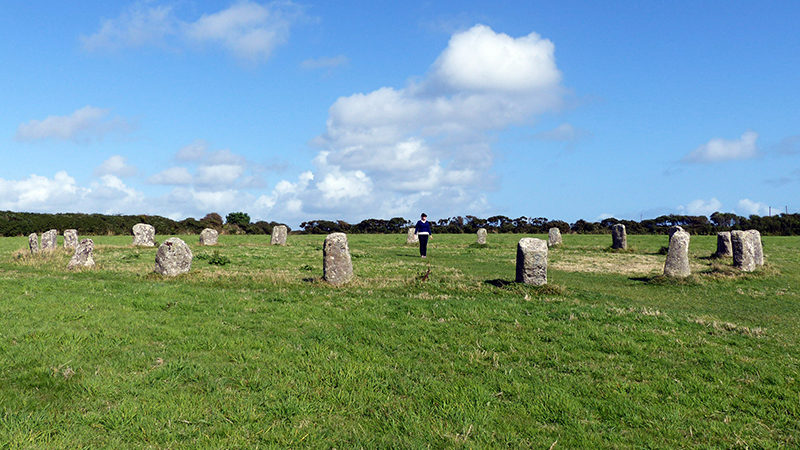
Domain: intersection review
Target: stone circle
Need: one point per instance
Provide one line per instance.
(532, 261)
(619, 236)
(677, 264)
(144, 235)
(279, 233)
(173, 257)
(337, 266)
(209, 236)
(83, 255)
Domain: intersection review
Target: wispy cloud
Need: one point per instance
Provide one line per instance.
(718, 149)
(86, 123)
(325, 63)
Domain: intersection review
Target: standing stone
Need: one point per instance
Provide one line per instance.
(144, 235)
(724, 246)
(279, 233)
(337, 267)
(532, 261)
(743, 251)
(554, 237)
(71, 239)
(33, 243)
(481, 236)
(83, 255)
(209, 236)
(758, 249)
(173, 257)
(412, 237)
(619, 237)
(674, 229)
(677, 264)
(49, 239)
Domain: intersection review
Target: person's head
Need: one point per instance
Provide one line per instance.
(423, 217)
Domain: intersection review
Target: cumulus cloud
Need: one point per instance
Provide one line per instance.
(749, 207)
(719, 149)
(82, 124)
(116, 165)
(395, 150)
(172, 176)
(249, 30)
(701, 207)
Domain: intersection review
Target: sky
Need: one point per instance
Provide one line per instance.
(292, 111)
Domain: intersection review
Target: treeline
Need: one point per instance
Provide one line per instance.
(21, 224)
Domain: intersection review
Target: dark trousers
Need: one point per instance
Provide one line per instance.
(423, 244)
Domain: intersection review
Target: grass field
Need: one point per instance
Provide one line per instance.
(261, 352)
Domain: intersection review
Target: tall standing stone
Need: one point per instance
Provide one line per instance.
(279, 233)
(758, 249)
(49, 239)
(33, 243)
(748, 254)
(144, 235)
(619, 237)
(677, 264)
(411, 237)
(173, 257)
(209, 236)
(674, 229)
(337, 267)
(532, 261)
(724, 246)
(481, 236)
(71, 239)
(83, 255)
(554, 237)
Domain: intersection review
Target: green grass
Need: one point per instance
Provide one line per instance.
(260, 352)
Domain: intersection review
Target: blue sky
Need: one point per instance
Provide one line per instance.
(351, 110)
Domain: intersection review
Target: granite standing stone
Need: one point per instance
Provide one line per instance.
(532, 261)
(674, 229)
(144, 235)
(71, 239)
(83, 255)
(337, 267)
(724, 246)
(619, 237)
(743, 250)
(173, 257)
(33, 243)
(758, 249)
(481, 236)
(209, 236)
(677, 264)
(412, 237)
(49, 239)
(554, 237)
(279, 233)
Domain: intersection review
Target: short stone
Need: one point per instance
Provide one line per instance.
(83, 255)
(279, 233)
(532, 261)
(337, 266)
(481, 236)
(724, 246)
(674, 229)
(619, 237)
(144, 235)
(173, 257)
(33, 243)
(411, 237)
(49, 239)
(209, 236)
(677, 264)
(71, 239)
(554, 237)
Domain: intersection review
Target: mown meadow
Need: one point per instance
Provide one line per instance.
(252, 348)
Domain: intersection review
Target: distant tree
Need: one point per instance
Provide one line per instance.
(213, 220)
(238, 218)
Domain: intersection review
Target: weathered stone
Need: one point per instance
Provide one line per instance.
(748, 254)
(49, 239)
(209, 236)
(83, 255)
(619, 237)
(173, 257)
(337, 267)
(33, 243)
(411, 237)
(279, 233)
(532, 261)
(71, 239)
(677, 264)
(481, 236)
(144, 235)
(724, 246)
(674, 229)
(554, 237)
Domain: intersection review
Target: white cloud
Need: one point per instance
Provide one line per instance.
(82, 124)
(116, 165)
(138, 26)
(701, 207)
(325, 63)
(193, 152)
(172, 176)
(749, 207)
(719, 149)
(218, 174)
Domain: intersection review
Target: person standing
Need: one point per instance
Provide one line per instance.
(423, 230)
